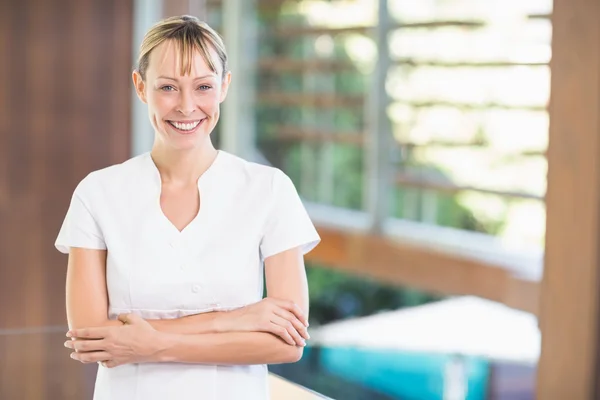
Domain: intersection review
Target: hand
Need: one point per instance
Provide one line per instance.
(282, 318)
(133, 342)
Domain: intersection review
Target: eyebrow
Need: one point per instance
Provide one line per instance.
(200, 77)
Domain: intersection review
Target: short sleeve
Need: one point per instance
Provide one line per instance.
(288, 224)
(79, 228)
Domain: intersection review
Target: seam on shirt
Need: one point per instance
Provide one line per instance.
(88, 209)
(273, 202)
(187, 310)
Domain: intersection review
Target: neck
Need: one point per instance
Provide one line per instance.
(183, 167)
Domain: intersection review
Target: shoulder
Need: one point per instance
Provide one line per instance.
(112, 178)
(255, 174)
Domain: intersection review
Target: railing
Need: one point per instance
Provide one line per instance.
(282, 389)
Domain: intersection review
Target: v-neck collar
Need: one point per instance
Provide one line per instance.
(204, 191)
(157, 180)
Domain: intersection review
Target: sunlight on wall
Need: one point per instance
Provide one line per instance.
(339, 13)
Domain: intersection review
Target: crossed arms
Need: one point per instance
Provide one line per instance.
(268, 332)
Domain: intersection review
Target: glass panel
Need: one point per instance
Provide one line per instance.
(468, 112)
(310, 112)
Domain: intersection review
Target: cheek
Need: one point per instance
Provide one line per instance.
(159, 105)
(211, 104)
(157, 109)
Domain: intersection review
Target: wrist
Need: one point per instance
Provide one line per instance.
(163, 342)
(222, 321)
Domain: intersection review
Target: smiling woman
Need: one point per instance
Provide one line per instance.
(187, 81)
(167, 250)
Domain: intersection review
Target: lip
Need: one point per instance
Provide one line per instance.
(201, 122)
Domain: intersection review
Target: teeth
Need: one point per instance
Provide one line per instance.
(185, 127)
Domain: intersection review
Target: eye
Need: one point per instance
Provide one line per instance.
(167, 88)
(204, 87)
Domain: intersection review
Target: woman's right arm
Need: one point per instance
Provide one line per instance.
(87, 297)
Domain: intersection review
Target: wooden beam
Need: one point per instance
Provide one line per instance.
(467, 106)
(439, 272)
(293, 31)
(320, 100)
(412, 62)
(568, 366)
(286, 64)
(301, 133)
(473, 144)
(539, 16)
(297, 133)
(437, 24)
(415, 181)
(368, 30)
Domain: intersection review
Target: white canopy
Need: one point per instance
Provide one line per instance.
(462, 325)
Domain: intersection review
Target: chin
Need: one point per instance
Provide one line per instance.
(187, 140)
(187, 144)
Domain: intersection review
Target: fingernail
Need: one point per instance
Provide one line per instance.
(72, 355)
(66, 344)
(69, 334)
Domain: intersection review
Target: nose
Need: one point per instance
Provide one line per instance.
(186, 103)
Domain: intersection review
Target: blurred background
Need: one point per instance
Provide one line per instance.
(417, 133)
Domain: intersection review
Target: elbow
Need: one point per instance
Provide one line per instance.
(293, 354)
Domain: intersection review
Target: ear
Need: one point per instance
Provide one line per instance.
(140, 86)
(225, 86)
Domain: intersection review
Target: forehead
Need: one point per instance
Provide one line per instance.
(167, 58)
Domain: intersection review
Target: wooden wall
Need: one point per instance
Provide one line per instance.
(569, 305)
(64, 111)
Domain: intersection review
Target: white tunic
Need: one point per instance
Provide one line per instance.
(248, 212)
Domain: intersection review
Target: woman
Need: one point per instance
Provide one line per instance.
(166, 250)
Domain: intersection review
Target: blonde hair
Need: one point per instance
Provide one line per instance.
(189, 34)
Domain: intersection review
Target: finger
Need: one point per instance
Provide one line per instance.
(300, 327)
(110, 364)
(282, 333)
(89, 333)
(293, 308)
(291, 330)
(86, 345)
(129, 319)
(125, 318)
(91, 357)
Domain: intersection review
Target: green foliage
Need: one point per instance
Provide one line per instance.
(336, 295)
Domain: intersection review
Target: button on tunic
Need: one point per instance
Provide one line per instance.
(248, 212)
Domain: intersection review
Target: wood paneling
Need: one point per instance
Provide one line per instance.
(196, 8)
(60, 379)
(568, 367)
(64, 111)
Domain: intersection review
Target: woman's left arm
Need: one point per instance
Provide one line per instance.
(137, 341)
(286, 279)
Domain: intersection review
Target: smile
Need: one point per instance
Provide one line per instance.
(186, 126)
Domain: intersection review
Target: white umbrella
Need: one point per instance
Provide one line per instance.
(466, 325)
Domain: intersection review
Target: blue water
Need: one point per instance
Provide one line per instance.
(402, 374)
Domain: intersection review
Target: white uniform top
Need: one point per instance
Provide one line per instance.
(248, 212)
